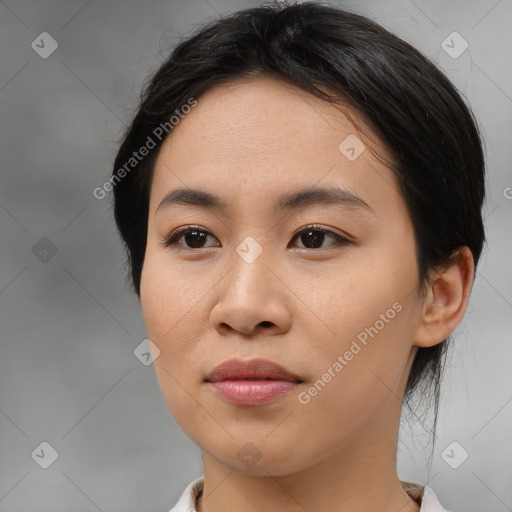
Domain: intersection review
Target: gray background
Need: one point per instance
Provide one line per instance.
(69, 325)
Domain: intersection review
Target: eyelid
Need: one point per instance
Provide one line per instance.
(321, 227)
(168, 240)
(173, 238)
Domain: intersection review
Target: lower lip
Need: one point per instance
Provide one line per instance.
(253, 392)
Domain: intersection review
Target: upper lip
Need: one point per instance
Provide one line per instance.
(238, 369)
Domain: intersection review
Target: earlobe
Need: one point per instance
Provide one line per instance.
(447, 299)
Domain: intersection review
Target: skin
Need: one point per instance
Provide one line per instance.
(296, 305)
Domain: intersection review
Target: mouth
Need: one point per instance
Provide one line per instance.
(251, 383)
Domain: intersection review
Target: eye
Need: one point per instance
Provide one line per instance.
(194, 236)
(315, 235)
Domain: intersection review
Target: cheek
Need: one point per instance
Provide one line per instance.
(167, 302)
(368, 320)
(357, 378)
(170, 307)
(170, 298)
(357, 297)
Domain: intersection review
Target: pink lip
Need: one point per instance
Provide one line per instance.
(254, 382)
(252, 392)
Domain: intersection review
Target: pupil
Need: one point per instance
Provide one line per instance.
(195, 238)
(316, 239)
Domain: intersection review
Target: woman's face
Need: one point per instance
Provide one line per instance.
(342, 315)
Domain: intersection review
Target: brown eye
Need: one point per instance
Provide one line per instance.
(193, 237)
(313, 237)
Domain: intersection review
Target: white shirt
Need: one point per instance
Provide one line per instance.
(423, 495)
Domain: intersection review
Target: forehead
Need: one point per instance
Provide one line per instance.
(265, 134)
(237, 117)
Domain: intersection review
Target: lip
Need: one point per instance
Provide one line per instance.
(238, 369)
(253, 382)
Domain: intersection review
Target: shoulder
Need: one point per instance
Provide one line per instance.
(187, 500)
(424, 496)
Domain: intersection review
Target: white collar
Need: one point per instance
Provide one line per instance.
(426, 496)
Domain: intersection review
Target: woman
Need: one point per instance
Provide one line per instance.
(300, 198)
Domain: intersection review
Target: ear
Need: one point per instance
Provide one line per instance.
(447, 299)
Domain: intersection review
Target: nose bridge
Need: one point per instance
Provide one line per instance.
(249, 296)
(250, 273)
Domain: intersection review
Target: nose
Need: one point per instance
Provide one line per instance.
(252, 299)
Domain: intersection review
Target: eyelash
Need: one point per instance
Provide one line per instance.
(173, 239)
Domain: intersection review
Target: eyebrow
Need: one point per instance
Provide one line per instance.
(304, 197)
